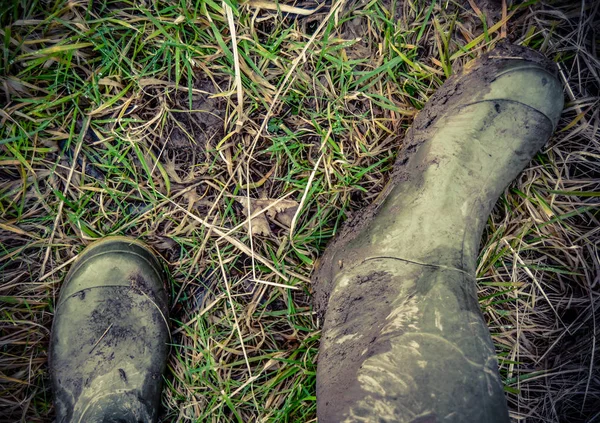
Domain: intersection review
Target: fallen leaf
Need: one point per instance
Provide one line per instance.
(282, 212)
(169, 166)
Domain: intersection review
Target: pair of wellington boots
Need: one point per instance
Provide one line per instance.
(403, 337)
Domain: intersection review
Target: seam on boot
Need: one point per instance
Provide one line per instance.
(438, 266)
(506, 100)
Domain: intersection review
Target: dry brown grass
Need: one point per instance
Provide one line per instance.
(141, 127)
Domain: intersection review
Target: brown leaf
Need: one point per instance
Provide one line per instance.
(282, 212)
(169, 166)
(260, 224)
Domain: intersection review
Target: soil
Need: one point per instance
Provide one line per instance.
(191, 131)
(492, 9)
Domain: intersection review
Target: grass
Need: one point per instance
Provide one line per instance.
(142, 119)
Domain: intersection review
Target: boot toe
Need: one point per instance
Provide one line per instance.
(116, 261)
(529, 84)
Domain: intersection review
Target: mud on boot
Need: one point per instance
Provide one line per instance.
(403, 338)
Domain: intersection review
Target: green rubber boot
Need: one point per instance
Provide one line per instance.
(110, 335)
(403, 337)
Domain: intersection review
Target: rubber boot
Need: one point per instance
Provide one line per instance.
(110, 335)
(403, 338)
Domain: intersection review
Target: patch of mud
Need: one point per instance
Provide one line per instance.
(358, 318)
(112, 330)
(492, 9)
(194, 127)
(463, 87)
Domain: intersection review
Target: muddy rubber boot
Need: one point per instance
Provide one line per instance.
(110, 335)
(403, 338)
